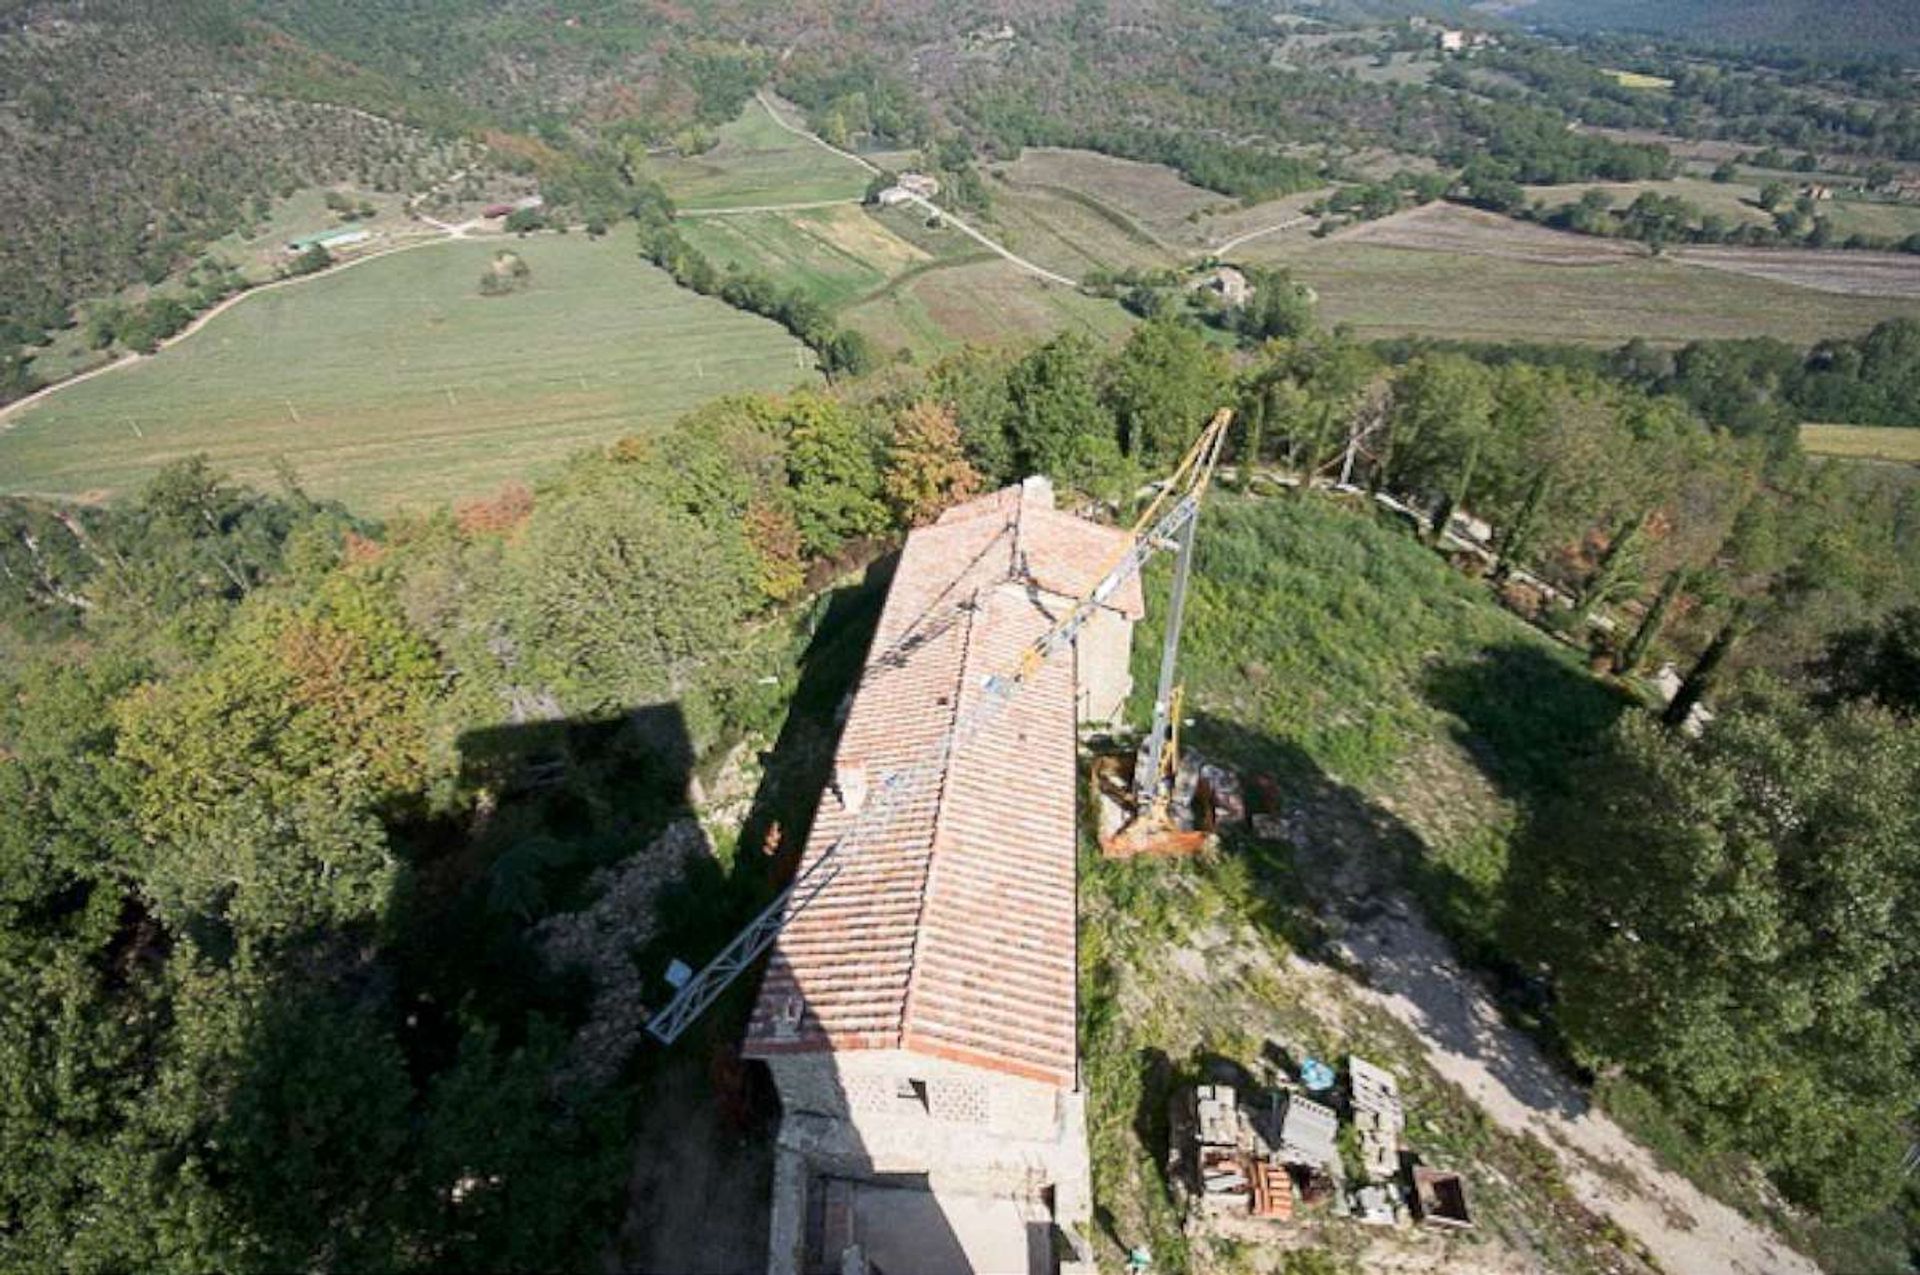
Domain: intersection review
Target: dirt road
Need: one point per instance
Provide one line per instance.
(1414, 976)
(946, 215)
(1227, 245)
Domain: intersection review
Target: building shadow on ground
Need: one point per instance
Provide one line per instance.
(703, 1156)
(1338, 876)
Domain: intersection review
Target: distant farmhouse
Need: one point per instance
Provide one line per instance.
(908, 186)
(343, 237)
(1229, 285)
(919, 1015)
(1452, 40)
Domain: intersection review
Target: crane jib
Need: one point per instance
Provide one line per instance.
(704, 987)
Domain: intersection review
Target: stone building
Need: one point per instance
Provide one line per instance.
(919, 1015)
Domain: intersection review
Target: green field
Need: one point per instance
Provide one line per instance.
(944, 307)
(1405, 291)
(1638, 80)
(1863, 442)
(832, 254)
(396, 382)
(758, 162)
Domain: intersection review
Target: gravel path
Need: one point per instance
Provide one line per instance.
(1415, 977)
(1228, 245)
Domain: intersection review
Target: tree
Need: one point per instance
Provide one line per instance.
(1442, 406)
(1878, 662)
(613, 597)
(834, 471)
(259, 780)
(1161, 386)
(1051, 405)
(1775, 194)
(1279, 307)
(312, 261)
(1724, 919)
(508, 272)
(927, 468)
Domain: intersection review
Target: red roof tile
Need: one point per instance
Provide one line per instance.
(950, 929)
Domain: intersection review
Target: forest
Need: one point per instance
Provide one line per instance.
(319, 829)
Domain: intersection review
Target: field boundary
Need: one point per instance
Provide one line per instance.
(1107, 213)
(746, 209)
(915, 271)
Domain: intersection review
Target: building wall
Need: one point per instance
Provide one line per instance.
(905, 1103)
(1104, 654)
(874, 1112)
(867, 1112)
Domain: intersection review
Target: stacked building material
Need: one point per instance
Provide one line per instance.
(1378, 1118)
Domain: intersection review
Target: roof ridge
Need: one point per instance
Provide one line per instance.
(908, 997)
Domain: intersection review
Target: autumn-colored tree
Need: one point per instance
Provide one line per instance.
(777, 548)
(927, 469)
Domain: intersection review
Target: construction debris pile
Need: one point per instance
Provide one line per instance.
(1252, 1159)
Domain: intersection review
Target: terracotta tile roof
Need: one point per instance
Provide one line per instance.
(949, 929)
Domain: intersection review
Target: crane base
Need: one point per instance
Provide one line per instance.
(1154, 840)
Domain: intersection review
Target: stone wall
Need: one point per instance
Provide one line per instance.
(865, 1114)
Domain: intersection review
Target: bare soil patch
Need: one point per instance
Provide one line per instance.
(1443, 227)
(1155, 197)
(1860, 274)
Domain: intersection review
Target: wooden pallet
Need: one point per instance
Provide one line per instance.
(1272, 1191)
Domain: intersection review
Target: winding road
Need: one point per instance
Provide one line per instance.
(1227, 245)
(946, 215)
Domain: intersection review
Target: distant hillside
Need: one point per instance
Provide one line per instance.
(1849, 27)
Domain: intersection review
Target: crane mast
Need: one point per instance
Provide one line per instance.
(1167, 522)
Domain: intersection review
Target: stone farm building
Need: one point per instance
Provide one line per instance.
(919, 1015)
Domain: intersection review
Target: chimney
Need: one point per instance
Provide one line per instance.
(1037, 490)
(850, 784)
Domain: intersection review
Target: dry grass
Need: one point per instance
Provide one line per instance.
(1449, 228)
(1859, 274)
(1072, 233)
(1483, 295)
(978, 302)
(1863, 442)
(1636, 80)
(1152, 196)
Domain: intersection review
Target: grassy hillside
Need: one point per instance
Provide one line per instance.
(1403, 729)
(396, 381)
(758, 162)
(1444, 271)
(1327, 658)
